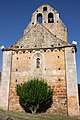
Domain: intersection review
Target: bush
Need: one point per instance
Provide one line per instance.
(34, 95)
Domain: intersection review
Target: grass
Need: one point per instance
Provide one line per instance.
(27, 116)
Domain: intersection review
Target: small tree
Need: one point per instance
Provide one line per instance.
(33, 94)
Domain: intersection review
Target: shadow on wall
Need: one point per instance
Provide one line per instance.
(45, 106)
(79, 93)
(42, 108)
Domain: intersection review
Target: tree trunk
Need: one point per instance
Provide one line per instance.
(33, 109)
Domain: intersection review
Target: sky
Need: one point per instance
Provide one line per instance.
(15, 15)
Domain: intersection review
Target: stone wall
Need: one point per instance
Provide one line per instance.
(39, 37)
(5, 79)
(71, 79)
(52, 70)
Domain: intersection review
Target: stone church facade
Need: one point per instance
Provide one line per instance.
(42, 52)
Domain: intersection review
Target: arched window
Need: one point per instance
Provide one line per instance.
(50, 18)
(39, 18)
(38, 63)
(44, 9)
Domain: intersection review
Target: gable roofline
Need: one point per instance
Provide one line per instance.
(53, 34)
(34, 27)
(45, 5)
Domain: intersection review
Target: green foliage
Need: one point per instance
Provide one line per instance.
(34, 94)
